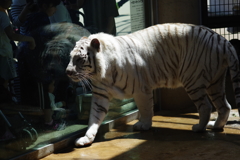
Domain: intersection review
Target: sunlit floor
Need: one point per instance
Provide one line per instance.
(170, 138)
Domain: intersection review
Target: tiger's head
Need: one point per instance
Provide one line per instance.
(82, 65)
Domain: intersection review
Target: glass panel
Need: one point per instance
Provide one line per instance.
(28, 121)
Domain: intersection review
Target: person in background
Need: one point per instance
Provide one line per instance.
(61, 15)
(73, 7)
(31, 79)
(59, 112)
(21, 10)
(99, 16)
(7, 69)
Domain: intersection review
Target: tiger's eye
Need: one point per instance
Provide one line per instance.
(78, 60)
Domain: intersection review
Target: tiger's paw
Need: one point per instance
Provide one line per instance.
(198, 128)
(83, 141)
(213, 126)
(210, 125)
(142, 126)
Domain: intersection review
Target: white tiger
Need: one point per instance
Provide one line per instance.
(168, 55)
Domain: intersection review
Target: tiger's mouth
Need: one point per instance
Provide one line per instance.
(72, 74)
(75, 79)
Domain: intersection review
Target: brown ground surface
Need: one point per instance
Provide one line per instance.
(170, 138)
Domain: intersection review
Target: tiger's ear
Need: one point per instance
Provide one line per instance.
(83, 38)
(95, 44)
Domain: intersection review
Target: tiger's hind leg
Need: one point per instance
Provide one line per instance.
(204, 107)
(144, 102)
(216, 93)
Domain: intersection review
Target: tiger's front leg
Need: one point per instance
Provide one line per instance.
(99, 109)
(144, 102)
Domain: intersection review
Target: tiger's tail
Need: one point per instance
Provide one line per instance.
(233, 64)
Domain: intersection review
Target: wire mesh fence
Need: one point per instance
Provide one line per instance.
(223, 16)
(223, 7)
(225, 33)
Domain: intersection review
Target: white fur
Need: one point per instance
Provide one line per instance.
(169, 55)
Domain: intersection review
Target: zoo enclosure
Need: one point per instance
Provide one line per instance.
(223, 16)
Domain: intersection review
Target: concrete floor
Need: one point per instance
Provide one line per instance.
(170, 138)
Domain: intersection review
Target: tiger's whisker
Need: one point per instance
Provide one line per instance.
(83, 85)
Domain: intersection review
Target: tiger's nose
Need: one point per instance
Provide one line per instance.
(70, 70)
